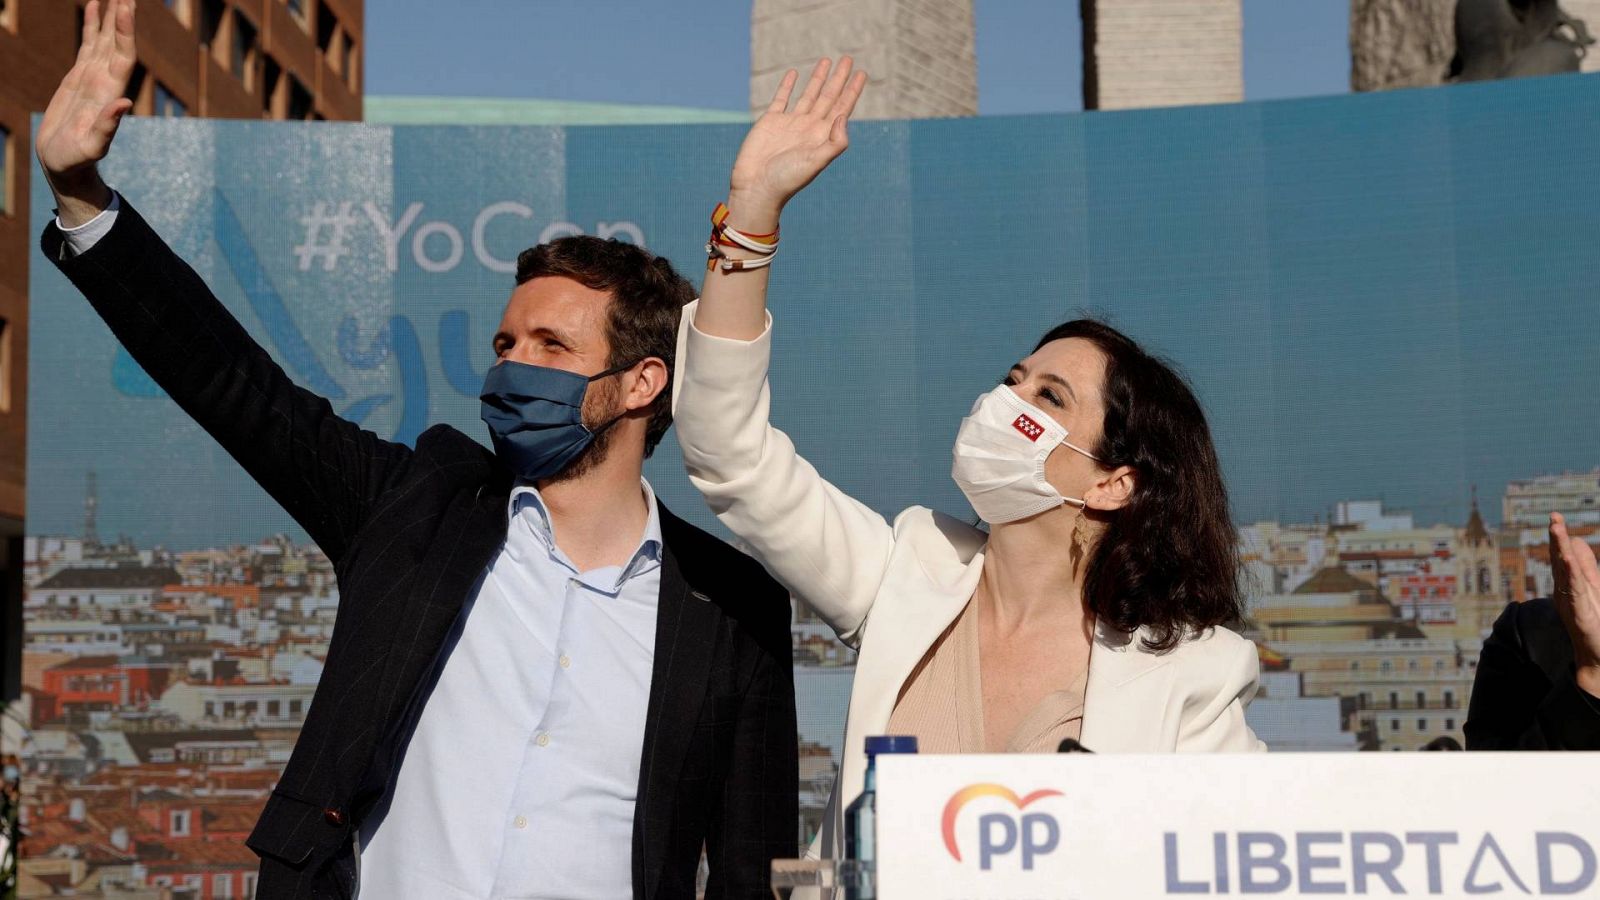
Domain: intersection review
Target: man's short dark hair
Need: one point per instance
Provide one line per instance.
(647, 298)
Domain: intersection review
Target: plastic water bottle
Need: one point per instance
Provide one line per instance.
(861, 821)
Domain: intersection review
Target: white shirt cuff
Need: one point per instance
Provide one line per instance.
(81, 238)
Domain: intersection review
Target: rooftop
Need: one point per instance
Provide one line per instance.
(118, 577)
(1335, 580)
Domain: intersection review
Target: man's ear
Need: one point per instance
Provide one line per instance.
(649, 380)
(1113, 492)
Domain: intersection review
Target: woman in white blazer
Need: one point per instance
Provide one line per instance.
(1092, 606)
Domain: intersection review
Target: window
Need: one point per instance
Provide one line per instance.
(211, 14)
(135, 89)
(299, 100)
(1355, 665)
(211, 709)
(167, 105)
(1422, 699)
(273, 99)
(1394, 724)
(6, 165)
(180, 9)
(222, 886)
(1422, 724)
(1394, 700)
(294, 707)
(249, 884)
(274, 708)
(180, 822)
(5, 365)
(326, 26)
(243, 59)
(1386, 666)
(1449, 724)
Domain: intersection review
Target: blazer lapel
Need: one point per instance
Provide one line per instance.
(685, 639)
(472, 531)
(1117, 718)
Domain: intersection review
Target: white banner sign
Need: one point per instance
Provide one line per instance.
(1099, 827)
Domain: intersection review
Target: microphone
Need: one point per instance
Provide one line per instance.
(1068, 745)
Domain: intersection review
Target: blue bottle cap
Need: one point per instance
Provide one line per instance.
(891, 743)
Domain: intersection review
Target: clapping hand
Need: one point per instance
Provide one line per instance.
(1577, 600)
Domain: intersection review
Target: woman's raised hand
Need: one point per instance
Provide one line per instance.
(793, 142)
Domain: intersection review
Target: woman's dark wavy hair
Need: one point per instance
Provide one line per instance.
(1168, 560)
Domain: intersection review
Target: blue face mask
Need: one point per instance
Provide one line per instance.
(535, 416)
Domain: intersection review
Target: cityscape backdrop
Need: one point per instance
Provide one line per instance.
(1385, 302)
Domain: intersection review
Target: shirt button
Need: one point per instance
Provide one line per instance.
(566, 661)
(542, 740)
(520, 821)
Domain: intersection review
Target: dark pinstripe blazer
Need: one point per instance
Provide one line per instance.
(408, 532)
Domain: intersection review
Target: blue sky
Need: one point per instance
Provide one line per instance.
(697, 53)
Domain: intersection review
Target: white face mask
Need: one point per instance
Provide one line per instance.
(999, 458)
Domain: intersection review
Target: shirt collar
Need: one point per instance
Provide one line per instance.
(525, 496)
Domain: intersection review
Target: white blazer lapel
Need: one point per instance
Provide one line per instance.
(898, 633)
(930, 580)
(1124, 704)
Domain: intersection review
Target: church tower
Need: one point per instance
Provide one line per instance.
(1479, 595)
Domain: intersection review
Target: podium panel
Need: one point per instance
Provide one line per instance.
(1093, 827)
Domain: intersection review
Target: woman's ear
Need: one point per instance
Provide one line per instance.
(1113, 492)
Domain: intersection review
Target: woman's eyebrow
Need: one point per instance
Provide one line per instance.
(1048, 376)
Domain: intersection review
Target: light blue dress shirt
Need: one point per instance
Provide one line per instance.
(521, 776)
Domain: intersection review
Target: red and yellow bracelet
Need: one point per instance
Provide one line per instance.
(725, 235)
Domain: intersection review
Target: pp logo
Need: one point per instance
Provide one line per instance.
(1029, 428)
(1031, 835)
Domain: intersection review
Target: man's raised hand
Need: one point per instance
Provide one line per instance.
(83, 116)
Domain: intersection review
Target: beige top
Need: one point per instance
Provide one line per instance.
(942, 702)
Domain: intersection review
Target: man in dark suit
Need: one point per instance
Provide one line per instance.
(1538, 681)
(542, 683)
